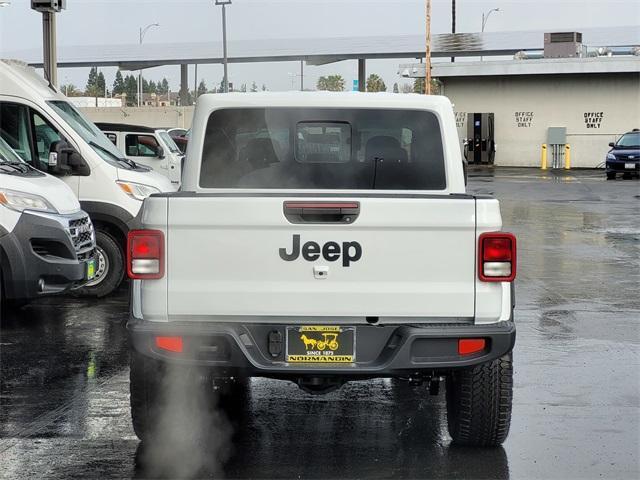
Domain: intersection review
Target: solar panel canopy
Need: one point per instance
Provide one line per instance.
(316, 51)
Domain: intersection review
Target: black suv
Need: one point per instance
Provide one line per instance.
(624, 156)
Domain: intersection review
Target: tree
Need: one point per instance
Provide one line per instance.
(243, 88)
(153, 88)
(418, 86)
(131, 89)
(92, 89)
(375, 84)
(254, 87)
(264, 87)
(118, 84)
(202, 88)
(163, 87)
(332, 83)
(70, 90)
(101, 85)
(396, 89)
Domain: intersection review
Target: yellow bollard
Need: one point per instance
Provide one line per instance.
(567, 157)
(544, 156)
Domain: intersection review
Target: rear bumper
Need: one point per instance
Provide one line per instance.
(381, 351)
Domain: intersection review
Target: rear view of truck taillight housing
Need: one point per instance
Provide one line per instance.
(145, 254)
(497, 257)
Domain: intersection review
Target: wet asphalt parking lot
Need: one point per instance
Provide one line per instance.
(64, 390)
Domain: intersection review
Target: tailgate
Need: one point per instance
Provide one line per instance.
(401, 257)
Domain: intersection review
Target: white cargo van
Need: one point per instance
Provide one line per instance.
(47, 244)
(152, 147)
(50, 134)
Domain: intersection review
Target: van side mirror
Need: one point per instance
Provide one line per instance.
(611, 144)
(65, 160)
(160, 152)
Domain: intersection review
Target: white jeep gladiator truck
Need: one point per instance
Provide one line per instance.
(323, 238)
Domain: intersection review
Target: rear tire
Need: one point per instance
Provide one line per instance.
(479, 401)
(110, 268)
(611, 176)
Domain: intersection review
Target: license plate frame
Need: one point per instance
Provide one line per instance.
(90, 270)
(629, 166)
(321, 344)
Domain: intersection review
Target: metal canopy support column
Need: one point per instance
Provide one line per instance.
(50, 47)
(362, 75)
(184, 85)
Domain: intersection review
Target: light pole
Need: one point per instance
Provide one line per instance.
(143, 32)
(485, 19)
(225, 81)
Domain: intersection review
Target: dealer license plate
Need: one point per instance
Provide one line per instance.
(321, 344)
(91, 269)
(630, 165)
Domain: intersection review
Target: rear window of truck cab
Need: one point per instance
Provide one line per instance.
(302, 148)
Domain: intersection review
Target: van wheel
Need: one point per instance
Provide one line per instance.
(479, 403)
(109, 268)
(611, 176)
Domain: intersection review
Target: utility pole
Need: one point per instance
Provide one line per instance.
(302, 75)
(225, 81)
(427, 65)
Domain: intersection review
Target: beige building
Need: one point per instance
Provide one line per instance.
(595, 99)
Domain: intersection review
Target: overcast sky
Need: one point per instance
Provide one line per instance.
(117, 21)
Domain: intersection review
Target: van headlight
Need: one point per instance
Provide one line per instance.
(21, 201)
(138, 191)
(611, 156)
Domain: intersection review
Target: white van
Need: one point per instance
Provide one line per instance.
(47, 243)
(152, 147)
(50, 134)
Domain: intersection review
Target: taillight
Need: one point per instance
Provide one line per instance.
(497, 257)
(170, 344)
(145, 254)
(469, 346)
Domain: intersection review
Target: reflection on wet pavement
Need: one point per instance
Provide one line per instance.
(64, 409)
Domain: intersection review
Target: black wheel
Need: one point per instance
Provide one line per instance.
(479, 403)
(611, 176)
(109, 268)
(626, 176)
(177, 402)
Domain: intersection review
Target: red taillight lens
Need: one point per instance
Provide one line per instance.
(145, 254)
(496, 250)
(468, 346)
(170, 344)
(497, 257)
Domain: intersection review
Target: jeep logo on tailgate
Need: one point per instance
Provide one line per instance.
(331, 251)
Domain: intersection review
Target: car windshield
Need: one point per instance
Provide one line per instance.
(7, 155)
(166, 138)
(629, 140)
(90, 134)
